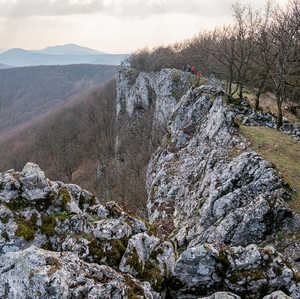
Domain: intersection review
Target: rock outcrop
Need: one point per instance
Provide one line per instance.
(42, 220)
(206, 192)
(251, 272)
(36, 273)
(204, 187)
(138, 91)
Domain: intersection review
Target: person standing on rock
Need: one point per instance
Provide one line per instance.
(188, 68)
(212, 76)
(193, 70)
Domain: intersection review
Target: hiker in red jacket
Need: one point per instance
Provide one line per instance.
(198, 74)
(193, 70)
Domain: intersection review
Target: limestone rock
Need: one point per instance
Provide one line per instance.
(137, 91)
(277, 295)
(251, 117)
(222, 295)
(147, 258)
(38, 211)
(58, 216)
(36, 273)
(296, 132)
(202, 187)
(250, 272)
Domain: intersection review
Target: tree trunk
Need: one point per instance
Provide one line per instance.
(241, 91)
(279, 114)
(259, 92)
(257, 99)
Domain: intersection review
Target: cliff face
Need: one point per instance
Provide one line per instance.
(213, 207)
(137, 92)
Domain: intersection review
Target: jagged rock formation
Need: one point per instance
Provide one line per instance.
(211, 205)
(251, 272)
(202, 190)
(40, 213)
(204, 187)
(37, 273)
(138, 91)
(47, 214)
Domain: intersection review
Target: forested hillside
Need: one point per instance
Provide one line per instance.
(29, 92)
(77, 142)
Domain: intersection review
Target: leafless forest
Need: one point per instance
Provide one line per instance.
(260, 51)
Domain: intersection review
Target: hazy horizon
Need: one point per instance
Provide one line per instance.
(111, 26)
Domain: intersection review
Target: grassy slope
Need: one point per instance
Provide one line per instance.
(282, 151)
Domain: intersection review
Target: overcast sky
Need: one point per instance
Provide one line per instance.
(115, 26)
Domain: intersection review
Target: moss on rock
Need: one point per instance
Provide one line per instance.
(48, 225)
(111, 251)
(65, 198)
(84, 200)
(133, 261)
(18, 203)
(25, 231)
(47, 246)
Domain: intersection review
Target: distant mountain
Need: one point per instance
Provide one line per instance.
(60, 55)
(69, 49)
(4, 66)
(29, 92)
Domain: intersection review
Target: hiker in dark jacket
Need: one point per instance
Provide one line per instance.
(188, 68)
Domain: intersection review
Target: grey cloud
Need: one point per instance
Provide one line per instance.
(126, 8)
(27, 8)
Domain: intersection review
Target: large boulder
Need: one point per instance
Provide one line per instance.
(250, 272)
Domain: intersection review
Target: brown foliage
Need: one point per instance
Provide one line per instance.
(71, 143)
(28, 92)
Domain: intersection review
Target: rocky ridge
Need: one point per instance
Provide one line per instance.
(212, 205)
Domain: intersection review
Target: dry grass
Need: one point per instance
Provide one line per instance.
(282, 151)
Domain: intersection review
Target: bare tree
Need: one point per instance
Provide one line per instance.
(284, 28)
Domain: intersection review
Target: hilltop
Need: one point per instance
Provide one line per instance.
(69, 49)
(59, 55)
(4, 66)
